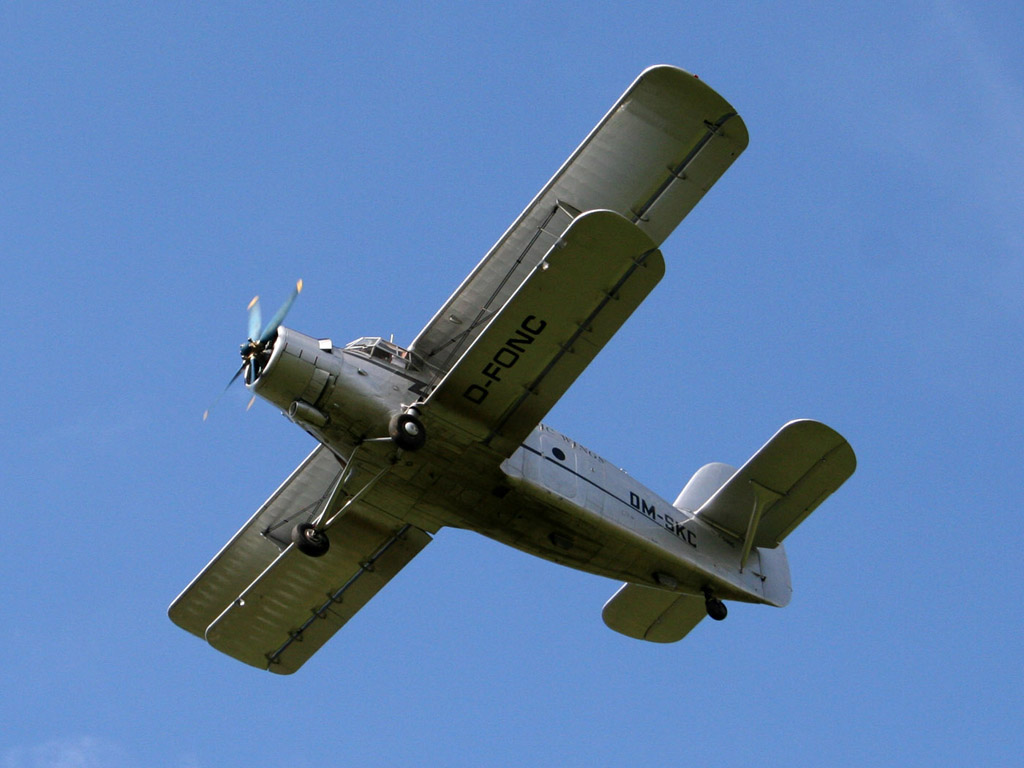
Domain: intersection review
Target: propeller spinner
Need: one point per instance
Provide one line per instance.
(258, 342)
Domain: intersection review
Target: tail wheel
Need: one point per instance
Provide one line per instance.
(716, 608)
(310, 541)
(407, 431)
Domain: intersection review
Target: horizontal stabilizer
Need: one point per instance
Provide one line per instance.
(651, 614)
(781, 484)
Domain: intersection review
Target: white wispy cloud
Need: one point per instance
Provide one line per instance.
(85, 752)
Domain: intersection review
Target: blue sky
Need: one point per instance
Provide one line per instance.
(860, 264)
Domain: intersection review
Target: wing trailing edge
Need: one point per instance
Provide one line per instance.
(267, 604)
(299, 602)
(257, 544)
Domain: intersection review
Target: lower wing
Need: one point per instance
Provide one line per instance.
(264, 602)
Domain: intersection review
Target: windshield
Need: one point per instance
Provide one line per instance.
(386, 352)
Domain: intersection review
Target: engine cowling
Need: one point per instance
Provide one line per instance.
(320, 389)
(298, 369)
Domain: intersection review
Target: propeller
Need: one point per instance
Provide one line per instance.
(257, 343)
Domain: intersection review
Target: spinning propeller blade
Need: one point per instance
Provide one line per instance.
(276, 320)
(255, 321)
(238, 373)
(255, 346)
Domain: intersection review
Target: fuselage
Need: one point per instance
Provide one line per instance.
(552, 497)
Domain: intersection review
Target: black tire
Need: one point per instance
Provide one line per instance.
(407, 431)
(310, 541)
(716, 608)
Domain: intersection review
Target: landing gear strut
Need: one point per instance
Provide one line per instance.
(715, 607)
(311, 538)
(310, 541)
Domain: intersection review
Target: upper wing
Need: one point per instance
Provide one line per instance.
(260, 596)
(548, 332)
(651, 159)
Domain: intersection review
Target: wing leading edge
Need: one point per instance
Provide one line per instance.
(663, 144)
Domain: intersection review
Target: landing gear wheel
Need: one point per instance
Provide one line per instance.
(715, 607)
(407, 431)
(310, 541)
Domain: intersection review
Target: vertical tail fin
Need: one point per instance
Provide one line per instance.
(702, 485)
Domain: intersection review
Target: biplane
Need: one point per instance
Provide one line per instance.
(447, 432)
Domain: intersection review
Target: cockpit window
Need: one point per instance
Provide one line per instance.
(386, 352)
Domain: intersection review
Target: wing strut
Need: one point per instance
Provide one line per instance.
(485, 312)
(325, 518)
(560, 317)
(764, 497)
(323, 524)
